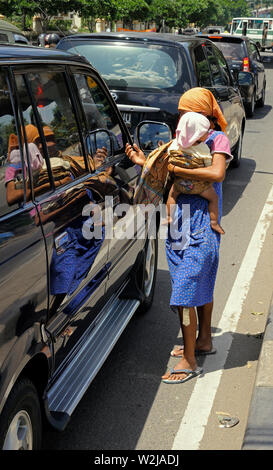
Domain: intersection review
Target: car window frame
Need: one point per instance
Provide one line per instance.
(220, 53)
(50, 67)
(18, 122)
(74, 69)
(201, 46)
(254, 50)
(213, 47)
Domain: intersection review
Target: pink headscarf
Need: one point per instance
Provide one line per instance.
(191, 127)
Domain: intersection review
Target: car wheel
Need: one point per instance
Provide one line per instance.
(261, 101)
(20, 421)
(237, 153)
(149, 274)
(250, 107)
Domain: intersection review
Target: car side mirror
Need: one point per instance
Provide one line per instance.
(151, 134)
(98, 139)
(245, 78)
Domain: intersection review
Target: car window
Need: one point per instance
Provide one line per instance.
(217, 77)
(254, 54)
(4, 37)
(131, 66)
(50, 130)
(99, 114)
(202, 67)
(223, 67)
(232, 50)
(11, 166)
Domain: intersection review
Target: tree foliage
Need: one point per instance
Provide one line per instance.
(177, 13)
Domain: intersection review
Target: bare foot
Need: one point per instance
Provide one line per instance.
(179, 350)
(217, 228)
(183, 364)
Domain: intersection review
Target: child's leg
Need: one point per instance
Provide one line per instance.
(212, 197)
(170, 202)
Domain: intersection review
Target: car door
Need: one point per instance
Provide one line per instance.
(226, 94)
(124, 245)
(66, 187)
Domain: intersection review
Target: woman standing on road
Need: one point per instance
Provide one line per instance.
(193, 270)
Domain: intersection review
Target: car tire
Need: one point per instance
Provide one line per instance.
(149, 270)
(20, 421)
(261, 101)
(237, 153)
(250, 107)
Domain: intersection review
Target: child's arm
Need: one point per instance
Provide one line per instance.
(214, 173)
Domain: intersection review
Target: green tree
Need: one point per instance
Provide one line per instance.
(129, 10)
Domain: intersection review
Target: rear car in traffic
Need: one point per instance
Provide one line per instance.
(147, 73)
(242, 55)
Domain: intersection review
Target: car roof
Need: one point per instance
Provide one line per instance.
(18, 52)
(152, 37)
(5, 25)
(226, 36)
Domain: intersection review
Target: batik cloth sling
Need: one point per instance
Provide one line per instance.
(183, 160)
(151, 186)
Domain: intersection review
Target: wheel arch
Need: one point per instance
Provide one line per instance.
(34, 364)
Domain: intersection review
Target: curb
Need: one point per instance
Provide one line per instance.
(259, 430)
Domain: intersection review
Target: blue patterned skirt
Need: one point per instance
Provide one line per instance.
(193, 268)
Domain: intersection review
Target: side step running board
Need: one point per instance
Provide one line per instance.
(65, 394)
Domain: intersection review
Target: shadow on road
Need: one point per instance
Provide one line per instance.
(236, 182)
(261, 113)
(114, 411)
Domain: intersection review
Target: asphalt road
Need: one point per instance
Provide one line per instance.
(127, 406)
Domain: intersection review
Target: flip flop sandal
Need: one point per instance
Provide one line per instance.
(190, 375)
(198, 352)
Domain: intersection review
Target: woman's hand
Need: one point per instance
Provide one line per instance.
(135, 154)
(214, 173)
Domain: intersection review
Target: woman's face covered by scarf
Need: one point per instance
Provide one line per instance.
(201, 100)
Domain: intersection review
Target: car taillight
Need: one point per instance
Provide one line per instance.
(246, 64)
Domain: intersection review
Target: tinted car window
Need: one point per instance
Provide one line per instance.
(202, 67)
(254, 54)
(223, 67)
(54, 110)
(232, 50)
(217, 78)
(11, 166)
(98, 111)
(132, 66)
(3, 37)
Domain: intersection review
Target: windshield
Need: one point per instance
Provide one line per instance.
(130, 66)
(232, 50)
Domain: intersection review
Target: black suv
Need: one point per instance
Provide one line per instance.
(148, 72)
(243, 55)
(70, 279)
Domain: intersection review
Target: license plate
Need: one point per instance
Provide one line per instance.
(126, 117)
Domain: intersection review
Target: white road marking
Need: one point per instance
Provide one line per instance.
(196, 415)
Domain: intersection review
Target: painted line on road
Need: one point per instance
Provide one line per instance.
(199, 407)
